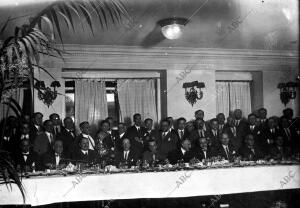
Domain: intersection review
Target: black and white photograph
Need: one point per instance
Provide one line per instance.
(149, 104)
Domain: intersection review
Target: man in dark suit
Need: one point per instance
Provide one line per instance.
(183, 153)
(44, 140)
(181, 131)
(26, 159)
(288, 132)
(221, 122)
(214, 133)
(252, 128)
(240, 123)
(37, 126)
(198, 132)
(127, 156)
(249, 151)
(268, 135)
(67, 135)
(57, 127)
(135, 134)
(84, 154)
(203, 151)
(55, 158)
(85, 132)
(262, 113)
(236, 140)
(152, 155)
(171, 121)
(150, 132)
(278, 151)
(167, 140)
(119, 136)
(225, 149)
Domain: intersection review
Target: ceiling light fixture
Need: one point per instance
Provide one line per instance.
(172, 28)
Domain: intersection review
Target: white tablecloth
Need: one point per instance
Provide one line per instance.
(47, 190)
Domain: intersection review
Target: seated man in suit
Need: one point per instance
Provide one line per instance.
(135, 134)
(55, 158)
(167, 140)
(278, 151)
(26, 159)
(67, 135)
(221, 122)
(44, 140)
(183, 153)
(225, 149)
(127, 157)
(152, 155)
(181, 131)
(85, 132)
(57, 127)
(84, 154)
(249, 151)
(203, 151)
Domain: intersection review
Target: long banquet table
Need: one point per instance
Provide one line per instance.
(185, 183)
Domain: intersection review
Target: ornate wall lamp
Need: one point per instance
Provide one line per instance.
(193, 94)
(45, 94)
(288, 91)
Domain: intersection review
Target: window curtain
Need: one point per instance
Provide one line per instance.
(233, 95)
(137, 96)
(90, 102)
(18, 95)
(222, 92)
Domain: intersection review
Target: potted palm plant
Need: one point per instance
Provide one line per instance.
(20, 54)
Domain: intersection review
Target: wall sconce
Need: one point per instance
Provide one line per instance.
(192, 95)
(287, 91)
(45, 94)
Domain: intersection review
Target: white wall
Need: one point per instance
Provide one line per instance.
(276, 67)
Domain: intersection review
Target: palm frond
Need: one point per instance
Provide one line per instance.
(106, 10)
(8, 172)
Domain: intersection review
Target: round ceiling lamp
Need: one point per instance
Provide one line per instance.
(172, 28)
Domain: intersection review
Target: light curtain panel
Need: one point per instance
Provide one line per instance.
(90, 102)
(137, 96)
(233, 95)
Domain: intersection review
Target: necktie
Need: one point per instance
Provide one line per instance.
(181, 134)
(233, 131)
(227, 152)
(153, 157)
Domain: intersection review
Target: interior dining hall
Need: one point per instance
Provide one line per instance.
(149, 104)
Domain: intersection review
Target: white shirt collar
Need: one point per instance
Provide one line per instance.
(37, 127)
(85, 135)
(48, 134)
(183, 150)
(85, 151)
(225, 146)
(137, 127)
(121, 135)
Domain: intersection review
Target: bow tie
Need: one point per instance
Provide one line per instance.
(25, 153)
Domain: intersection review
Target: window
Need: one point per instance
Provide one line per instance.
(112, 101)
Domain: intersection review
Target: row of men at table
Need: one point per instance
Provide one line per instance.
(57, 144)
